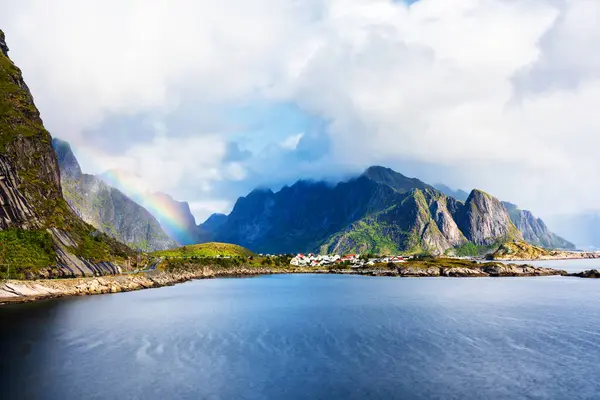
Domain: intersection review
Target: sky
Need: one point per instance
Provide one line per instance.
(208, 99)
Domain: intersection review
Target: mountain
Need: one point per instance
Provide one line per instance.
(378, 211)
(107, 208)
(534, 230)
(174, 217)
(582, 228)
(458, 194)
(40, 235)
(213, 222)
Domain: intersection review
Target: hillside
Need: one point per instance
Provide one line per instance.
(39, 233)
(212, 249)
(379, 211)
(534, 230)
(107, 208)
(519, 251)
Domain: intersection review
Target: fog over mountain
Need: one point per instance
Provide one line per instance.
(170, 93)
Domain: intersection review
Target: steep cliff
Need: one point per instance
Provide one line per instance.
(39, 233)
(484, 220)
(534, 230)
(106, 208)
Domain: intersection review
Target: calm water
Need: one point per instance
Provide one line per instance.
(310, 336)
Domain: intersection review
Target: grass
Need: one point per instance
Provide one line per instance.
(470, 249)
(212, 249)
(444, 262)
(519, 250)
(24, 251)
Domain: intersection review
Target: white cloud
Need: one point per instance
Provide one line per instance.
(499, 94)
(291, 142)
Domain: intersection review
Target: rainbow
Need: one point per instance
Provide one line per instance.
(173, 216)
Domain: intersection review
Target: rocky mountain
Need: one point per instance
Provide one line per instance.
(534, 230)
(379, 211)
(174, 217)
(581, 228)
(40, 235)
(107, 208)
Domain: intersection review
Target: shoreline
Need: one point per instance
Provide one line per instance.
(562, 256)
(23, 291)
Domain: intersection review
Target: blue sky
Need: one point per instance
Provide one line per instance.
(207, 100)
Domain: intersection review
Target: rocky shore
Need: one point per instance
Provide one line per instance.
(592, 273)
(484, 270)
(16, 291)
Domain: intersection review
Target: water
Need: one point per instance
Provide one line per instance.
(311, 337)
(567, 265)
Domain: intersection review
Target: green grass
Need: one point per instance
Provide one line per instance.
(206, 250)
(471, 250)
(519, 250)
(24, 251)
(443, 262)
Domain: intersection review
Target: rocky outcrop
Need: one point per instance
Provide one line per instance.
(592, 273)
(534, 230)
(14, 209)
(483, 270)
(520, 250)
(106, 208)
(484, 220)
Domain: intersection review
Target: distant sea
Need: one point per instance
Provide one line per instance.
(311, 337)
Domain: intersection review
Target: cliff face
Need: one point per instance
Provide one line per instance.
(485, 221)
(535, 230)
(31, 190)
(175, 218)
(38, 230)
(106, 208)
(380, 211)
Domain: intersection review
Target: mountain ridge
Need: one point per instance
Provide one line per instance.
(106, 208)
(379, 210)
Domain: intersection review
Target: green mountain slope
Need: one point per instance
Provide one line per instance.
(39, 233)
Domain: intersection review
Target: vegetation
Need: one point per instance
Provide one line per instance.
(471, 250)
(192, 262)
(206, 250)
(444, 262)
(519, 250)
(23, 251)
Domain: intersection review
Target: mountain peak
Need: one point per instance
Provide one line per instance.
(69, 166)
(393, 179)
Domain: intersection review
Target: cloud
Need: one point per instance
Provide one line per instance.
(497, 94)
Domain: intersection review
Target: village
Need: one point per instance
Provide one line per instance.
(354, 260)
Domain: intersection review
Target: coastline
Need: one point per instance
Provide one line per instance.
(22, 291)
(557, 256)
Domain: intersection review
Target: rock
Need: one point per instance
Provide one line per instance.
(592, 273)
(462, 272)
